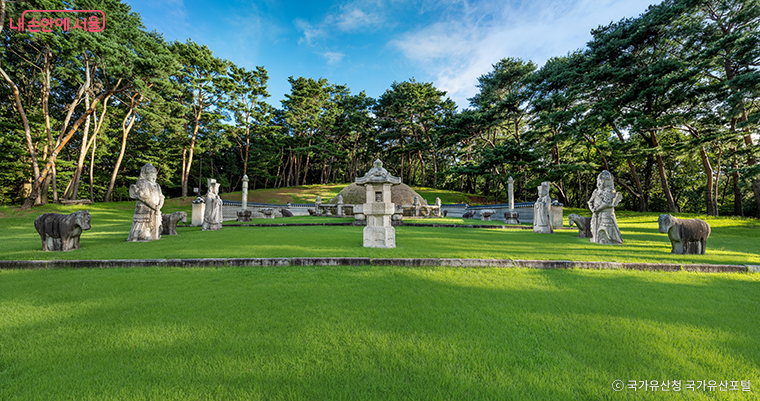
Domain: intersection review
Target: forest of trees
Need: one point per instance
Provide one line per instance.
(668, 101)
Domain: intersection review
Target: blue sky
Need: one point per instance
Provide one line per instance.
(369, 44)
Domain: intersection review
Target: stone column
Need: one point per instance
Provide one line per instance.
(511, 216)
(245, 192)
(438, 207)
(340, 206)
(244, 214)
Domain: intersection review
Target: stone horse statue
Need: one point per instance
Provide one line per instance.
(583, 224)
(687, 236)
(60, 232)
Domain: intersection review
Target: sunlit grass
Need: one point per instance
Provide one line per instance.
(371, 333)
(733, 241)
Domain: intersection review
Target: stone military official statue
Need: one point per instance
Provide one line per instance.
(146, 223)
(604, 227)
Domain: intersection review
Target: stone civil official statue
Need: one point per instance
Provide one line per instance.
(604, 227)
(212, 219)
(542, 210)
(146, 223)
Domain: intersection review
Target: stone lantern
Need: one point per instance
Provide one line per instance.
(378, 210)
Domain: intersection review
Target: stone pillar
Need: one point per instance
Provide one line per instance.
(318, 205)
(339, 208)
(245, 192)
(379, 233)
(511, 217)
(199, 209)
(244, 214)
(438, 207)
(416, 207)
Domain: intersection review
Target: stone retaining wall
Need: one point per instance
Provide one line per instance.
(348, 261)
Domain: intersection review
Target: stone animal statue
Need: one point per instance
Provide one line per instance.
(468, 214)
(311, 212)
(60, 232)
(445, 213)
(687, 236)
(286, 212)
(169, 222)
(583, 224)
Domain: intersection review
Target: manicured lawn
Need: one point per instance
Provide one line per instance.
(372, 333)
(733, 241)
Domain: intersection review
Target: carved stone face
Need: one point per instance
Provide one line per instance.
(665, 221)
(84, 220)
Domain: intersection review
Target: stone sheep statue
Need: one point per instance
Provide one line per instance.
(687, 236)
(60, 232)
(583, 224)
(468, 214)
(169, 222)
(286, 212)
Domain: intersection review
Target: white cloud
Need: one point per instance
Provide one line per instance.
(352, 19)
(310, 33)
(465, 43)
(333, 57)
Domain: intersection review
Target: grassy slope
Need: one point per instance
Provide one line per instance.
(308, 194)
(733, 241)
(371, 333)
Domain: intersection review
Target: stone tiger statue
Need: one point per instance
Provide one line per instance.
(169, 222)
(60, 232)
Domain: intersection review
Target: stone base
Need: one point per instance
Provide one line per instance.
(198, 210)
(511, 217)
(244, 215)
(379, 237)
(212, 227)
(542, 229)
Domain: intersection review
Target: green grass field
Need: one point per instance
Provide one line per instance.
(733, 241)
(369, 332)
(381, 333)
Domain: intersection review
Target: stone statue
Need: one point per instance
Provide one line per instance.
(170, 222)
(604, 227)
(60, 232)
(212, 219)
(542, 210)
(146, 223)
(687, 236)
(583, 224)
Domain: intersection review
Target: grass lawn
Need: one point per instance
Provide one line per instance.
(733, 241)
(370, 332)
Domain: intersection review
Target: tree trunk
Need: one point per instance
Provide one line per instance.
(24, 120)
(72, 194)
(125, 129)
(712, 208)
(738, 204)
(186, 166)
(38, 182)
(92, 166)
(663, 177)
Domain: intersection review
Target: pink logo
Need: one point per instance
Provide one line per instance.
(93, 24)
